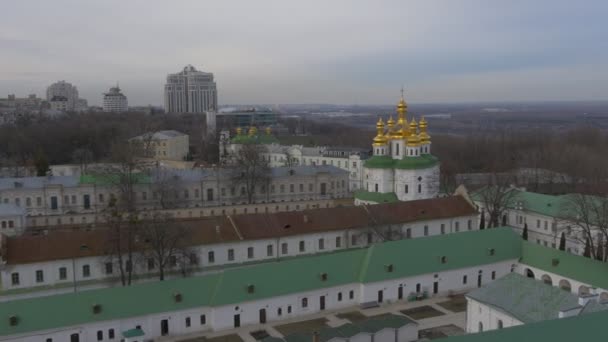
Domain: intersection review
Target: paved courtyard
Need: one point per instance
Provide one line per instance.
(436, 317)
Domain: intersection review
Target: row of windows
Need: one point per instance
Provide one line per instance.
(8, 224)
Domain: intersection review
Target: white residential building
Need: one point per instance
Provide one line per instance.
(190, 91)
(166, 145)
(268, 292)
(115, 101)
(12, 219)
(231, 240)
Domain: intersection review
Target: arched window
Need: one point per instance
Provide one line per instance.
(376, 187)
(480, 328)
(499, 324)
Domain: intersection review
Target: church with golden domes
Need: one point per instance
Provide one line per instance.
(402, 167)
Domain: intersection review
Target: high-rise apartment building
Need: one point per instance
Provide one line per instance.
(190, 91)
(115, 101)
(63, 89)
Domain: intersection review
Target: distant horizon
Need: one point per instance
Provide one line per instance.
(357, 52)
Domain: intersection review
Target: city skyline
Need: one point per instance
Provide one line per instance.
(355, 53)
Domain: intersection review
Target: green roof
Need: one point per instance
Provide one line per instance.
(423, 161)
(376, 197)
(409, 257)
(424, 255)
(133, 333)
(256, 139)
(583, 269)
(528, 300)
(591, 327)
(548, 205)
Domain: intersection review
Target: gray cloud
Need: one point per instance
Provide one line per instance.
(311, 51)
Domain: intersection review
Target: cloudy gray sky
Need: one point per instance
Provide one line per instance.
(313, 51)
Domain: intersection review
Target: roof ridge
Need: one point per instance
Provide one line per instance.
(365, 263)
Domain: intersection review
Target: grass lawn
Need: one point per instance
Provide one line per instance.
(302, 327)
(456, 304)
(422, 312)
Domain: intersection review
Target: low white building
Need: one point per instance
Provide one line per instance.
(169, 145)
(71, 258)
(277, 155)
(86, 194)
(268, 292)
(515, 299)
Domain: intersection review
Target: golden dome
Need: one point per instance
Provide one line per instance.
(268, 130)
(413, 140)
(252, 131)
(425, 138)
(239, 131)
(380, 139)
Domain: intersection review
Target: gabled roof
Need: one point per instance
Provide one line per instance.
(526, 299)
(58, 245)
(571, 266)
(267, 280)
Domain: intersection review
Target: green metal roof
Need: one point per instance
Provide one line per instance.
(548, 205)
(423, 161)
(111, 179)
(376, 197)
(591, 327)
(256, 139)
(460, 250)
(409, 257)
(133, 333)
(526, 299)
(583, 269)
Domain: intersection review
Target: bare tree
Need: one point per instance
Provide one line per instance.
(166, 242)
(250, 169)
(587, 218)
(120, 243)
(165, 186)
(82, 156)
(290, 160)
(496, 197)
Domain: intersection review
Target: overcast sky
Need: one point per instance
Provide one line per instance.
(325, 51)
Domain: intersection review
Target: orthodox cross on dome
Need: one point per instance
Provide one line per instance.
(402, 91)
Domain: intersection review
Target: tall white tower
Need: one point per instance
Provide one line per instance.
(190, 91)
(115, 101)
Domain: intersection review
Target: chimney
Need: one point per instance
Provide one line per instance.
(315, 337)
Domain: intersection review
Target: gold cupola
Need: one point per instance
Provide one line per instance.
(425, 138)
(239, 131)
(268, 130)
(252, 131)
(413, 140)
(380, 139)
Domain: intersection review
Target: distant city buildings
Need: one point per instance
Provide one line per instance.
(190, 91)
(115, 101)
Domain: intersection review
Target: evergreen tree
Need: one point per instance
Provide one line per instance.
(482, 221)
(587, 252)
(562, 242)
(524, 235)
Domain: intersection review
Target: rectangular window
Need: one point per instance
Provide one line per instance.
(351, 294)
(250, 252)
(187, 322)
(111, 334)
(464, 279)
(209, 194)
(86, 200)
(203, 319)
(353, 240)
(63, 273)
(537, 223)
(321, 244)
(338, 241)
(39, 276)
(284, 248)
(230, 254)
(53, 202)
(407, 188)
(15, 278)
(211, 257)
(301, 187)
(443, 228)
(109, 268)
(339, 296)
(469, 225)
(269, 251)
(304, 302)
(302, 246)
(426, 230)
(493, 275)
(99, 335)
(86, 271)
(457, 226)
